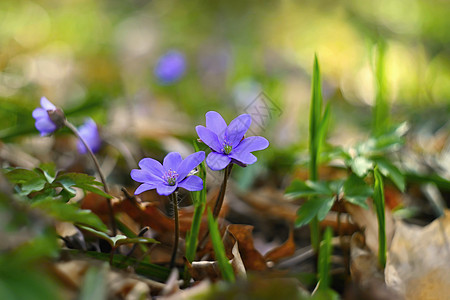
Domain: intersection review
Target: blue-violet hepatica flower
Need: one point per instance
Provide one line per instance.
(48, 117)
(89, 132)
(170, 67)
(169, 176)
(227, 143)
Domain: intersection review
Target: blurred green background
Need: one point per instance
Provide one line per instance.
(97, 58)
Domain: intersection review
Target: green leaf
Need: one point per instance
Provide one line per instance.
(82, 181)
(29, 181)
(219, 250)
(70, 213)
(119, 239)
(49, 171)
(390, 171)
(356, 191)
(312, 208)
(308, 188)
(325, 208)
(361, 165)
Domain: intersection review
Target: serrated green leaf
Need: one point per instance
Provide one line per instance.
(20, 176)
(361, 165)
(356, 191)
(299, 188)
(70, 213)
(29, 181)
(311, 209)
(49, 171)
(390, 171)
(82, 181)
(325, 208)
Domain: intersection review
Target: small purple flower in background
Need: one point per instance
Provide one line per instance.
(89, 132)
(227, 143)
(170, 67)
(48, 117)
(169, 176)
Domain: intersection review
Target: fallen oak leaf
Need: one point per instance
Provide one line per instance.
(242, 234)
(284, 250)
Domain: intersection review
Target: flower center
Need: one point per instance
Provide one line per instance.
(227, 148)
(171, 177)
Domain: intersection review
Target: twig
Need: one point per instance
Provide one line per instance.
(102, 178)
(174, 198)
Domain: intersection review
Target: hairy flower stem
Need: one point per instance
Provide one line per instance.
(219, 202)
(223, 187)
(102, 177)
(174, 198)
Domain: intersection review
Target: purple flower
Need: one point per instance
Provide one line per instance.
(169, 176)
(170, 67)
(89, 132)
(44, 122)
(227, 143)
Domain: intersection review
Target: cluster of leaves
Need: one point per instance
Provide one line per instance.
(50, 191)
(360, 162)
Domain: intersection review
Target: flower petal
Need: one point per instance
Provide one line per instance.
(216, 123)
(165, 190)
(244, 157)
(252, 143)
(189, 163)
(89, 132)
(217, 161)
(145, 177)
(192, 183)
(237, 128)
(172, 161)
(153, 166)
(144, 187)
(47, 105)
(45, 126)
(40, 113)
(209, 138)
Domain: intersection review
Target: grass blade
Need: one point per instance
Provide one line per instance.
(314, 143)
(378, 199)
(325, 260)
(381, 108)
(225, 267)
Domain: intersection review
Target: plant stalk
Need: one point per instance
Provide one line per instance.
(102, 177)
(223, 187)
(174, 198)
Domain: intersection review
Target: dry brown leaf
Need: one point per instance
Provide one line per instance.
(367, 278)
(237, 263)
(252, 259)
(367, 220)
(418, 261)
(284, 250)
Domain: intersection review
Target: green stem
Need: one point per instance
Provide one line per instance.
(102, 177)
(378, 198)
(219, 201)
(174, 198)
